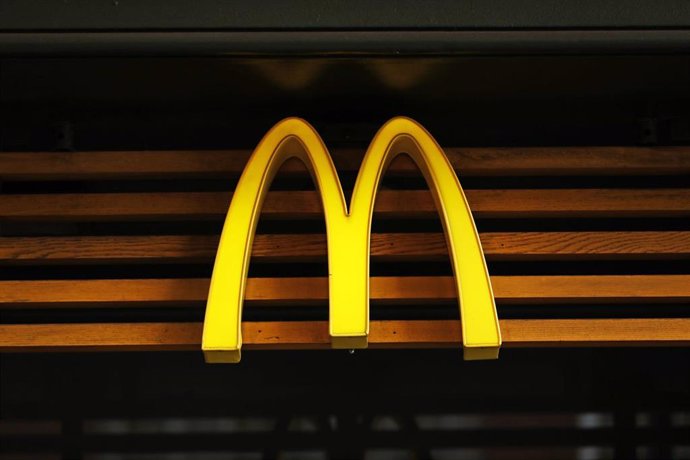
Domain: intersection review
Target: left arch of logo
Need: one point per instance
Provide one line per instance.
(348, 235)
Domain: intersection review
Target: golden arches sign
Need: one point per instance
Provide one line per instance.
(348, 234)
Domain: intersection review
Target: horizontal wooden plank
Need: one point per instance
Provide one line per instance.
(307, 204)
(287, 291)
(384, 246)
(483, 161)
(305, 335)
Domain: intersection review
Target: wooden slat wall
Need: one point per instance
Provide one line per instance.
(55, 265)
(524, 161)
(306, 290)
(393, 204)
(314, 334)
(384, 246)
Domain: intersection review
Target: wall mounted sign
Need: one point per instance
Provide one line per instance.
(348, 233)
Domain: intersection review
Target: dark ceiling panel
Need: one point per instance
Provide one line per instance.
(339, 14)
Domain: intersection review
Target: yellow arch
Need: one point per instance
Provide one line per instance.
(348, 235)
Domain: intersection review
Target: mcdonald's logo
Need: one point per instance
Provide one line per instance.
(348, 233)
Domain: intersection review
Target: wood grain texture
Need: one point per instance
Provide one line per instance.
(305, 291)
(307, 205)
(314, 334)
(593, 290)
(468, 161)
(384, 247)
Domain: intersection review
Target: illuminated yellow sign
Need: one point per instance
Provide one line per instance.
(348, 234)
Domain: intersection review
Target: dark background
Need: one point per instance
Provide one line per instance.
(114, 75)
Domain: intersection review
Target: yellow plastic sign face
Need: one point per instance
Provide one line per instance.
(348, 234)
